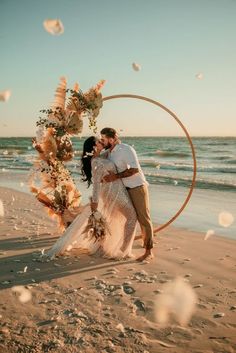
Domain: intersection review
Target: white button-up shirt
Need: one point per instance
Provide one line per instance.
(125, 157)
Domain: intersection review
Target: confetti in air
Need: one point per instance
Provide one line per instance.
(136, 67)
(225, 219)
(1, 209)
(5, 95)
(209, 233)
(199, 76)
(120, 327)
(69, 247)
(25, 295)
(53, 26)
(178, 299)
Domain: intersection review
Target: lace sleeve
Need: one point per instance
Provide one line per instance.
(97, 173)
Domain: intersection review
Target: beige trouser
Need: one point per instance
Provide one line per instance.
(140, 199)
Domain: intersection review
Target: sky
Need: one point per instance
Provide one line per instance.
(172, 40)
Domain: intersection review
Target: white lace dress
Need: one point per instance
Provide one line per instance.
(116, 207)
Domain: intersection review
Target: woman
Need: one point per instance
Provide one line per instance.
(111, 199)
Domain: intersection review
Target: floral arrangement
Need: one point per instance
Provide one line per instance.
(51, 181)
(97, 227)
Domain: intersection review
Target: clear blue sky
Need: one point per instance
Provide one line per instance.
(172, 40)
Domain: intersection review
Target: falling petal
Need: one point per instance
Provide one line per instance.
(120, 327)
(209, 233)
(136, 67)
(1, 209)
(5, 95)
(53, 26)
(175, 182)
(25, 294)
(178, 298)
(199, 76)
(225, 219)
(25, 269)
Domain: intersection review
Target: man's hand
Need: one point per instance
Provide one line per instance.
(94, 206)
(110, 177)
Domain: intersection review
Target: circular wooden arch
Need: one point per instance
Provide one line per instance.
(134, 96)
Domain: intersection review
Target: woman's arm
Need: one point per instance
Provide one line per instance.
(97, 172)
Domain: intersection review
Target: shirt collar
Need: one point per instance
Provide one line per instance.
(115, 148)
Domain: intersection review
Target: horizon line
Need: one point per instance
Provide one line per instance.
(122, 136)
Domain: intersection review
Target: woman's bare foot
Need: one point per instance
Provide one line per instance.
(148, 255)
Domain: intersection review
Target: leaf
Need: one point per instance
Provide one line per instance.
(60, 95)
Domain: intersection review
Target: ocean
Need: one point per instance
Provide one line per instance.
(164, 160)
(168, 166)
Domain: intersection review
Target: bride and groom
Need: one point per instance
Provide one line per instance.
(120, 193)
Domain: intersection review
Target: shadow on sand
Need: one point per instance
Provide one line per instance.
(12, 267)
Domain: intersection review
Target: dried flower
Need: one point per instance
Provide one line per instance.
(97, 227)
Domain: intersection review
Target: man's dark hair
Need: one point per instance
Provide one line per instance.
(109, 132)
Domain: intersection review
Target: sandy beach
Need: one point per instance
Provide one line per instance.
(88, 304)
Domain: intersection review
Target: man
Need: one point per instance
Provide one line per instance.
(129, 170)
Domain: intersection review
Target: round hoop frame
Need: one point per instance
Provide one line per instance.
(189, 140)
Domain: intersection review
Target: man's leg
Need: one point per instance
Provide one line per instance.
(140, 199)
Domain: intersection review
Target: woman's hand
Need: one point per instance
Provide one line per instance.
(94, 206)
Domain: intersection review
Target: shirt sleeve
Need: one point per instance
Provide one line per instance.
(97, 173)
(131, 158)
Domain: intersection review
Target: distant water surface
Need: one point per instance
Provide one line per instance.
(165, 160)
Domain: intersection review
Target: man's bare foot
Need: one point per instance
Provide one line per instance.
(148, 255)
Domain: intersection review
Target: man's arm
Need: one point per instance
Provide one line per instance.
(125, 174)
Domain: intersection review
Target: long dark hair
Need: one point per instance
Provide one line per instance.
(86, 169)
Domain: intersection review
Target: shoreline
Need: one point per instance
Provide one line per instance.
(165, 201)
